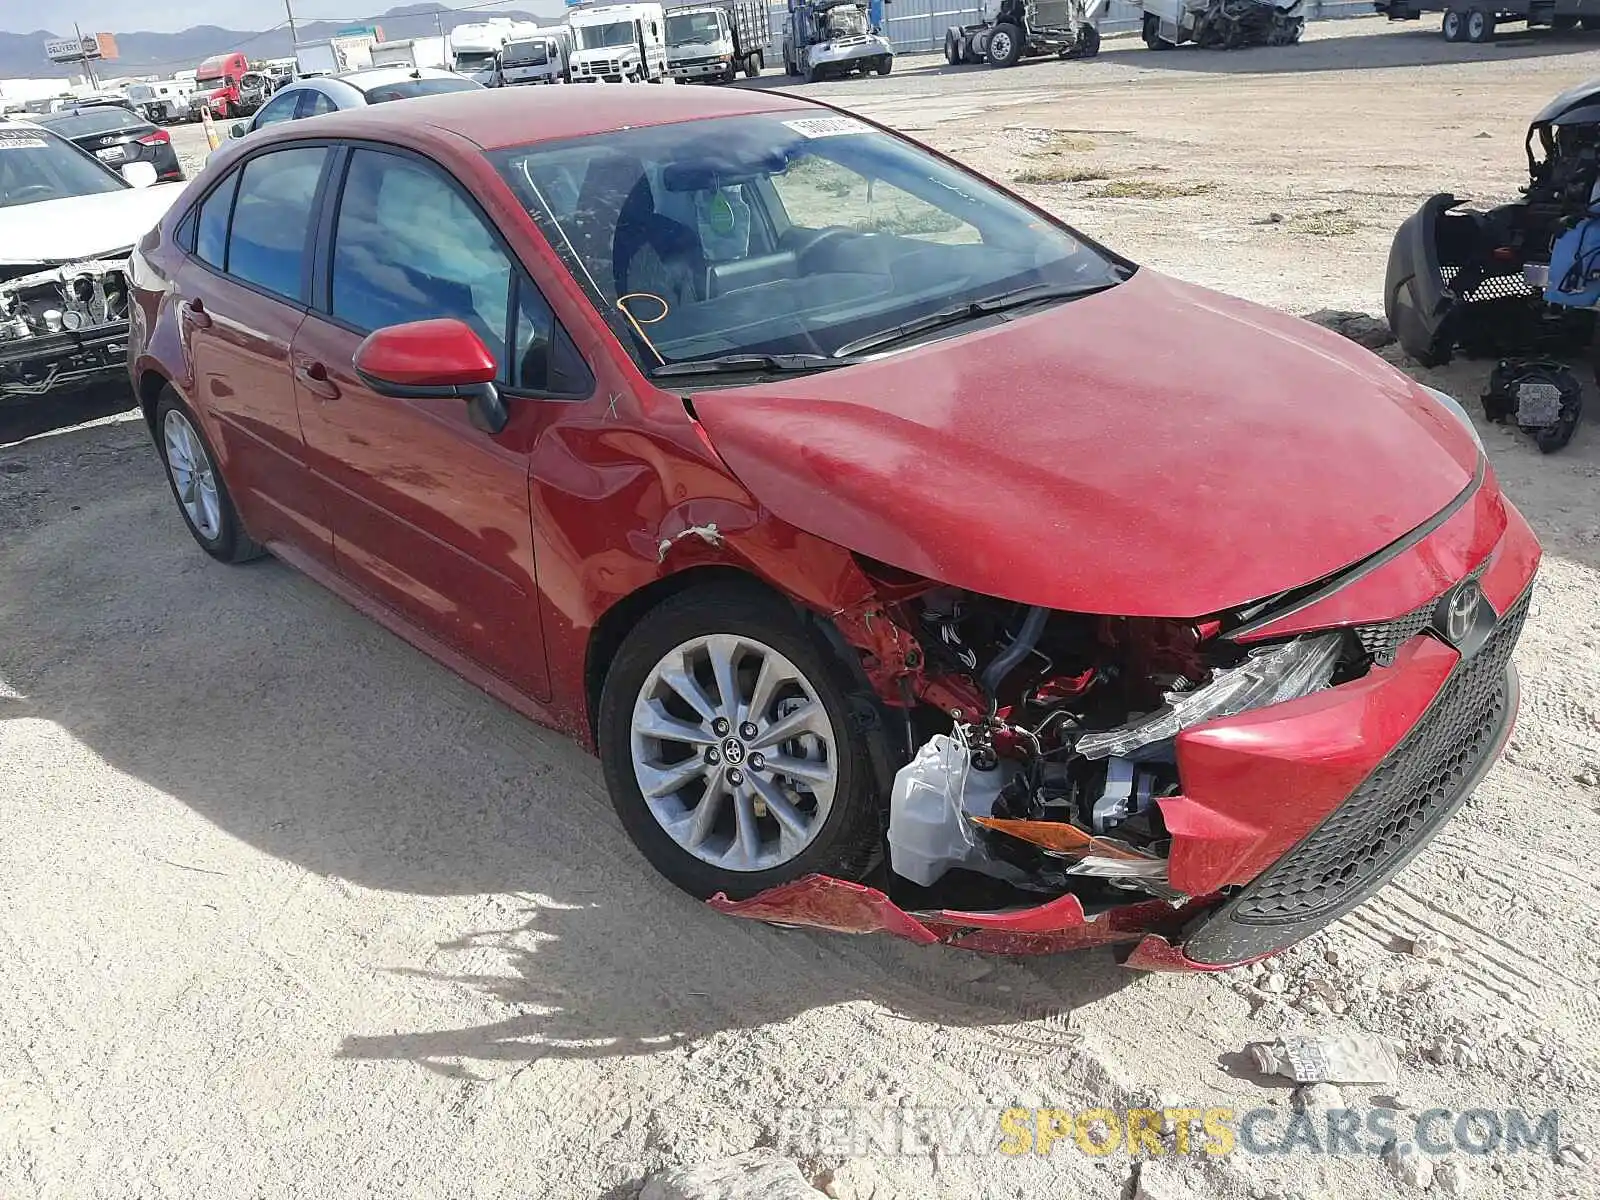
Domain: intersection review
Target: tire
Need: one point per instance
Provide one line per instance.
(952, 47)
(809, 73)
(1088, 43)
(1564, 24)
(1005, 45)
(1589, 24)
(1152, 33)
(188, 459)
(1454, 26)
(752, 67)
(841, 828)
(885, 65)
(1480, 26)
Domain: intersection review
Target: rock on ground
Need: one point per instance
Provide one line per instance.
(1371, 332)
(755, 1175)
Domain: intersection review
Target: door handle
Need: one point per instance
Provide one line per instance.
(313, 376)
(195, 313)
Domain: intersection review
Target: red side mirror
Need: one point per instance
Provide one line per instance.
(444, 353)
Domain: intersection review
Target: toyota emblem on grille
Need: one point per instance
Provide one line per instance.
(1459, 611)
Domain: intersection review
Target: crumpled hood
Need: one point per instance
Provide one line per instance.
(52, 231)
(1153, 450)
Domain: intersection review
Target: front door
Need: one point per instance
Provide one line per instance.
(429, 514)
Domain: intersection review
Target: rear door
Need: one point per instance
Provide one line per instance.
(245, 290)
(429, 514)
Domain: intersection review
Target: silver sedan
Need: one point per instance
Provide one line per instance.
(352, 89)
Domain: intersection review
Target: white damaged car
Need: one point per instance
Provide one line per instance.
(67, 225)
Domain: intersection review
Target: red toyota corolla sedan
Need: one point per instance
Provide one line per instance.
(911, 562)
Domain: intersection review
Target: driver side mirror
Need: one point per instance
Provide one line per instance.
(139, 174)
(433, 359)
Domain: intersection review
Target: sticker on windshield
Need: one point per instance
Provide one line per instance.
(817, 127)
(10, 140)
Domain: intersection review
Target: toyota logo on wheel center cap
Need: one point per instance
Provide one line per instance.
(733, 751)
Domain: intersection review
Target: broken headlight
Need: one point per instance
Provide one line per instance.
(1268, 676)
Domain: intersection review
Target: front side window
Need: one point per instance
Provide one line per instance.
(408, 247)
(272, 219)
(792, 235)
(280, 109)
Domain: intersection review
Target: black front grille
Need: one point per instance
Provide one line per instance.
(1384, 821)
(1383, 641)
(1490, 287)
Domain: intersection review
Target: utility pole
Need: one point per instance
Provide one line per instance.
(88, 67)
(294, 38)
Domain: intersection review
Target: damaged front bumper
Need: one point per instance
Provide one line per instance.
(1289, 816)
(62, 327)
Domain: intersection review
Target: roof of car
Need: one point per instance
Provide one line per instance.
(496, 118)
(371, 77)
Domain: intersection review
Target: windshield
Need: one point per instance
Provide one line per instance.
(524, 54)
(474, 60)
(692, 27)
(760, 235)
(844, 22)
(211, 69)
(88, 122)
(599, 37)
(36, 166)
(406, 88)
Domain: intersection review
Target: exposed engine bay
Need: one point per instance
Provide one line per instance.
(1521, 278)
(1222, 24)
(61, 325)
(1044, 741)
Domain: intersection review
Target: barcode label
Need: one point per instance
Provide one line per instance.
(818, 127)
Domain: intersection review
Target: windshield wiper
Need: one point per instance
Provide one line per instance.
(745, 364)
(969, 311)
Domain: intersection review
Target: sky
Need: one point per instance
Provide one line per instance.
(166, 16)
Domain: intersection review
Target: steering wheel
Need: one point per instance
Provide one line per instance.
(29, 189)
(811, 240)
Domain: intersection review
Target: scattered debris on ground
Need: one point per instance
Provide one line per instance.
(755, 1175)
(1350, 1058)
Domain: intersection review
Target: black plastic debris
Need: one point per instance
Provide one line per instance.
(1541, 396)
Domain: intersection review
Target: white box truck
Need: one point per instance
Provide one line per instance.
(475, 48)
(334, 56)
(541, 57)
(619, 43)
(713, 40)
(413, 52)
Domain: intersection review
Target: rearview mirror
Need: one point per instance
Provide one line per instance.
(434, 359)
(139, 174)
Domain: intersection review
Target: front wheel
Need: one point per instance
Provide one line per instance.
(1005, 46)
(1152, 33)
(197, 484)
(729, 750)
(885, 65)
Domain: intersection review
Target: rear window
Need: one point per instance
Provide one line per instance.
(408, 88)
(92, 121)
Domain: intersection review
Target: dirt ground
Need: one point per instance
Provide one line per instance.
(287, 910)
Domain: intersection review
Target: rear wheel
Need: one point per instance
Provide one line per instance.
(1589, 24)
(197, 484)
(1152, 33)
(1563, 24)
(1454, 26)
(752, 66)
(1005, 45)
(1480, 26)
(885, 65)
(952, 47)
(728, 748)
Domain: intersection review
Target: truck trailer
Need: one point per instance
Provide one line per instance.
(1475, 20)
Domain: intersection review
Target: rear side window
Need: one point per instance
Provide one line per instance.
(316, 104)
(272, 220)
(280, 109)
(211, 231)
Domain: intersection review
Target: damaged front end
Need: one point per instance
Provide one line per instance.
(1516, 279)
(1073, 780)
(62, 325)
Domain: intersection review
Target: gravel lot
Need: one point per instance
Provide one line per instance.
(287, 910)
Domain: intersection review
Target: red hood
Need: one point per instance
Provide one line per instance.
(1153, 450)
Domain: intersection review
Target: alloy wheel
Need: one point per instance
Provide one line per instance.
(734, 752)
(193, 477)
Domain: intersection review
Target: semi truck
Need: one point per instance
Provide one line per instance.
(475, 48)
(542, 57)
(713, 40)
(832, 38)
(218, 86)
(619, 43)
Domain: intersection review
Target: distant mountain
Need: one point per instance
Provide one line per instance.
(22, 54)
